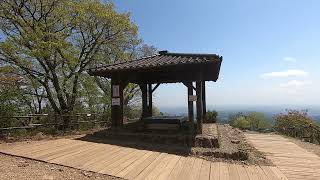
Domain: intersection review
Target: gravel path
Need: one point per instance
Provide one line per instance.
(12, 168)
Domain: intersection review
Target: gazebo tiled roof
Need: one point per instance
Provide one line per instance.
(164, 62)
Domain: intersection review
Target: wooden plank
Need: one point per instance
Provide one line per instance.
(233, 172)
(138, 169)
(34, 149)
(224, 172)
(15, 147)
(195, 171)
(269, 173)
(99, 159)
(79, 156)
(130, 163)
(187, 165)
(66, 156)
(132, 166)
(117, 162)
(260, 173)
(307, 174)
(47, 148)
(278, 173)
(251, 172)
(243, 175)
(205, 170)
(177, 169)
(96, 167)
(90, 155)
(125, 164)
(215, 171)
(151, 166)
(46, 154)
(168, 169)
(159, 168)
(292, 160)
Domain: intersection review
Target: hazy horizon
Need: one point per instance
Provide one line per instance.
(225, 110)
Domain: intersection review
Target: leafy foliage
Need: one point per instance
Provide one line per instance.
(53, 42)
(211, 117)
(293, 118)
(254, 121)
(49, 44)
(297, 124)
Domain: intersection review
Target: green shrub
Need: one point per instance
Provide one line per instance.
(211, 117)
(294, 123)
(241, 123)
(254, 121)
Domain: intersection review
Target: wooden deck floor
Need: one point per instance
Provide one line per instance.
(130, 163)
(294, 161)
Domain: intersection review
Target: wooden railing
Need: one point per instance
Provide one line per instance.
(33, 121)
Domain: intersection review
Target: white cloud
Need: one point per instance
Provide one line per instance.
(295, 84)
(296, 89)
(290, 59)
(287, 73)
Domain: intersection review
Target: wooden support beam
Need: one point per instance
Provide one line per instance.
(190, 111)
(204, 105)
(199, 106)
(121, 89)
(156, 87)
(144, 91)
(187, 85)
(117, 102)
(150, 100)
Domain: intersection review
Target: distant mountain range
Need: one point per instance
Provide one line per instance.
(224, 111)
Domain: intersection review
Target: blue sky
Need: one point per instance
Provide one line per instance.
(271, 48)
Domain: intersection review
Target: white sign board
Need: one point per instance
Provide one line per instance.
(115, 91)
(192, 98)
(115, 101)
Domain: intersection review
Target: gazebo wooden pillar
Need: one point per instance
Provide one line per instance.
(190, 107)
(144, 94)
(204, 104)
(199, 105)
(117, 101)
(150, 99)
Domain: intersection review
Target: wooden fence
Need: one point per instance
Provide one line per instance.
(33, 121)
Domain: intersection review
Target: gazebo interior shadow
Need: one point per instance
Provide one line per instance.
(172, 142)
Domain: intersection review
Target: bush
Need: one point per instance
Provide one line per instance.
(211, 117)
(254, 121)
(294, 123)
(241, 123)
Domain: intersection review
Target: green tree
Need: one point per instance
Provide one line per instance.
(54, 41)
(241, 122)
(258, 121)
(254, 121)
(211, 117)
(293, 119)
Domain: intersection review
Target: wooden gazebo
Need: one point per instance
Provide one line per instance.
(164, 67)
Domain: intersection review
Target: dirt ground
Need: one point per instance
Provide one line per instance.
(20, 168)
(233, 148)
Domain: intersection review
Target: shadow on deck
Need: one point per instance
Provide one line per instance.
(131, 135)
